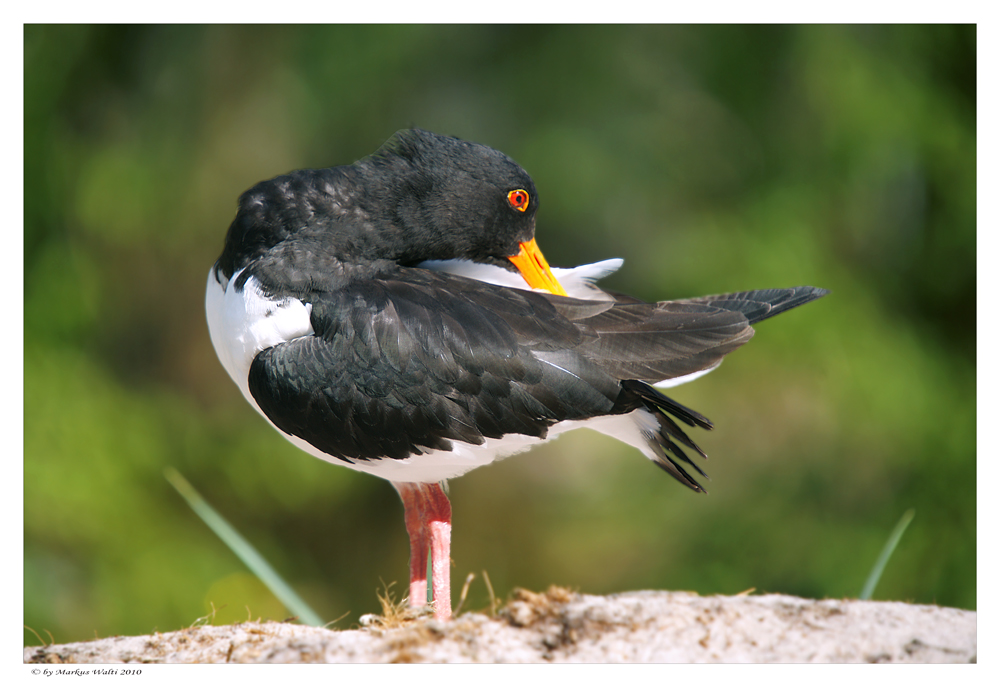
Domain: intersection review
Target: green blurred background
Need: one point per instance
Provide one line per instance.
(711, 158)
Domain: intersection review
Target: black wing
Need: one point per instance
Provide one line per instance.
(398, 366)
(405, 364)
(654, 342)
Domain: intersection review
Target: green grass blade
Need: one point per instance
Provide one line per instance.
(876, 574)
(244, 550)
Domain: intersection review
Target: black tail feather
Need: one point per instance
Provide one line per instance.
(664, 441)
(670, 428)
(676, 450)
(655, 398)
(680, 474)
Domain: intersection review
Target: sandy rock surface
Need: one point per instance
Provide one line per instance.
(561, 626)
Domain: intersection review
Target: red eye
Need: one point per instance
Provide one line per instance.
(518, 199)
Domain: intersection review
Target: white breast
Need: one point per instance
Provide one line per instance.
(244, 323)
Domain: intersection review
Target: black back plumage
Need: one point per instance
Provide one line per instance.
(405, 360)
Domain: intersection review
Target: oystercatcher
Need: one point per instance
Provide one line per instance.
(395, 316)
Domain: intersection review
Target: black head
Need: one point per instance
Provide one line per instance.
(421, 196)
(452, 198)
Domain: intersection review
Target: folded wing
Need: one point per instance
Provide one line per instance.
(413, 362)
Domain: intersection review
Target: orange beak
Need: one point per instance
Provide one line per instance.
(532, 265)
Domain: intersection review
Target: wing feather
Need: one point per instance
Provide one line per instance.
(415, 360)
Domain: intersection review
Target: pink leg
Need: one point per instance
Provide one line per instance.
(428, 522)
(419, 542)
